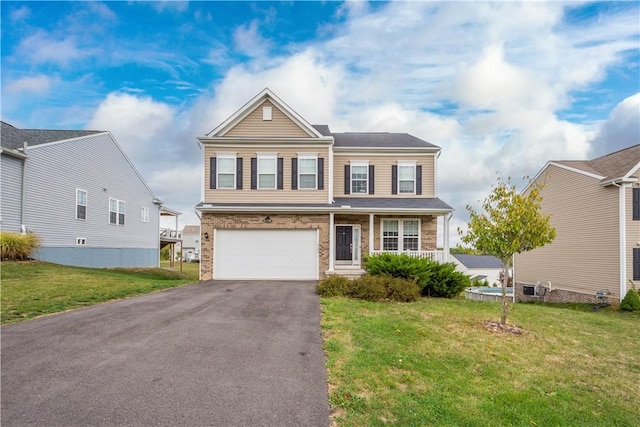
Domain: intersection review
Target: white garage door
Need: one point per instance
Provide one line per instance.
(266, 254)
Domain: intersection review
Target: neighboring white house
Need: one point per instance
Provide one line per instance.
(480, 267)
(191, 243)
(81, 195)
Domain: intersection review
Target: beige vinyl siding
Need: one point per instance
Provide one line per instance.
(584, 257)
(633, 234)
(247, 195)
(279, 126)
(383, 174)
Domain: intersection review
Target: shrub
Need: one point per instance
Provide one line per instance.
(445, 281)
(17, 247)
(334, 286)
(398, 265)
(370, 288)
(403, 290)
(631, 301)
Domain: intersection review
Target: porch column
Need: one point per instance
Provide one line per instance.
(445, 236)
(371, 233)
(332, 237)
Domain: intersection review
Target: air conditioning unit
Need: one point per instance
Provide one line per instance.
(530, 290)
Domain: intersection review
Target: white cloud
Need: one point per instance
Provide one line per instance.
(621, 130)
(20, 14)
(43, 48)
(249, 41)
(39, 84)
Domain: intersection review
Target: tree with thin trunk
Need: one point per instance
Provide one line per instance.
(511, 223)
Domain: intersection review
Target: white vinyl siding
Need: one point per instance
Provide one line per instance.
(144, 214)
(117, 210)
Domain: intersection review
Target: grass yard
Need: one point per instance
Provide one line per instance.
(31, 289)
(433, 363)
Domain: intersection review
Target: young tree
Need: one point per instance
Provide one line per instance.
(511, 223)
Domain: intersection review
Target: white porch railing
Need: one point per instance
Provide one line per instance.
(170, 234)
(438, 256)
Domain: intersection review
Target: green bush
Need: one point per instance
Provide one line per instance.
(334, 286)
(17, 247)
(434, 279)
(445, 281)
(631, 301)
(370, 288)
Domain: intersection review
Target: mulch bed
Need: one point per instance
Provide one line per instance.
(497, 327)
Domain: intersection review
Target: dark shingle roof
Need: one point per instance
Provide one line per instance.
(478, 261)
(374, 139)
(611, 166)
(393, 203)
(13, 137)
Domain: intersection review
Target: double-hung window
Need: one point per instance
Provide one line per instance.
(144, 214)
(307, 172)
(226, 171)
(267, 169)
(81, 204)
(117, 210)
(400, 235)
(359, 177)
(406, 178)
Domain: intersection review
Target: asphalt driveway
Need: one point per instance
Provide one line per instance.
(213, 353)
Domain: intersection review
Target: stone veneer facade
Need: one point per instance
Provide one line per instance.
(212, 221)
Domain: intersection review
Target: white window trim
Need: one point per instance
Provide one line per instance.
(235, 170)
(408, 163)
(267, 156)
(86, 198)
(117, 211)
(81, 241)
(400, 233)
(144, 214)
(359, 163)
(308, 156)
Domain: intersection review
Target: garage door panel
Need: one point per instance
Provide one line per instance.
(266, 254)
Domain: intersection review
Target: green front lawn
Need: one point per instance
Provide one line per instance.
(31, 289)
(434, 363)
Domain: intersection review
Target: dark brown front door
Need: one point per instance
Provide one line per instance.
(344, 243)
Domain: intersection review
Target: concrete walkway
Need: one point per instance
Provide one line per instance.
(213, 353)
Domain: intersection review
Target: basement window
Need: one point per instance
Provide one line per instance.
(81, 241)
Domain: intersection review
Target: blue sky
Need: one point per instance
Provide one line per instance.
(501, 87)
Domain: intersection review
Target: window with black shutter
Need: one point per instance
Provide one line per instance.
(636, 203)
(636, 263)
(294, 173)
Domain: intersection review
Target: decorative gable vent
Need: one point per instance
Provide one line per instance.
(266, 113)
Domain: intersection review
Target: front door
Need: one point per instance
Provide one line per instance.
(344, 243)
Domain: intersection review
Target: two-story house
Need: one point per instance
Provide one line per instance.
(284, 199)
(595, 209)
(81, 195)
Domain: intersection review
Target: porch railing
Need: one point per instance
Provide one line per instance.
(168, 233)
(438, 256)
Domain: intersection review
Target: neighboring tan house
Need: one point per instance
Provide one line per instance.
(479, 267)
(81, 195)
(595, 209)
(287, 200)
(191, 243)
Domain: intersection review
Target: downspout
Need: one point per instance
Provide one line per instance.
(445, 236)
(331, 240)
(330, 173)
(23, 226)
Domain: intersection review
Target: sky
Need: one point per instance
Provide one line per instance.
(501, 87)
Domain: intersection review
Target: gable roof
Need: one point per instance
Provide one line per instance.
(254, 103)
(478, 261)
(374, 139)
(13, 137)
(191, 229)
(610, 168)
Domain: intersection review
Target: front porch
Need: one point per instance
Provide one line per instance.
(353, 236)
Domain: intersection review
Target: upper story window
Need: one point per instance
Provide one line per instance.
(267, 170)
(308, 172)
(144, 214)
(359, 177)
(81, 204)
(400, 235)
(226, 171)
(117, 210)
(406, 178)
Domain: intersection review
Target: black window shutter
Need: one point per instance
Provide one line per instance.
(372, 180)
(212, 173)
(418, 180)
(294, 173)
(320, 173)
(347, 179)
(280, 185)
(636, 263)
(254, 173)
(239, 173)
(394, 179)
(636, 203)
